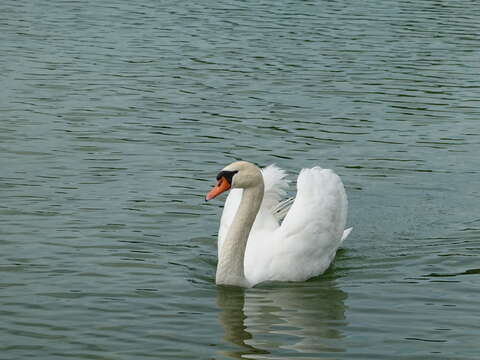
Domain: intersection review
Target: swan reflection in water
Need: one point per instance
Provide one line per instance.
(283, 318)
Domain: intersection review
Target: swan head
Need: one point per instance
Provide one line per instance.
(237, 175)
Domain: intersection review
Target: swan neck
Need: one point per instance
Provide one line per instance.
(230, 269)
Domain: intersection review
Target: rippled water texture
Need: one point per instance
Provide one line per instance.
(115, 117)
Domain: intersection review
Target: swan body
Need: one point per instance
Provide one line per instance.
(254, 245)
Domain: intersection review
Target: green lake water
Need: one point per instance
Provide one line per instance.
(116, 116)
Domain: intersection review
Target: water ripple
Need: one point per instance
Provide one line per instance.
(115, 118)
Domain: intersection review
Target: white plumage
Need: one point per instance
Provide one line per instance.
(304, 244)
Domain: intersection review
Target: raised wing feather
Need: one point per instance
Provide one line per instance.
(306, 242)
(276, 186)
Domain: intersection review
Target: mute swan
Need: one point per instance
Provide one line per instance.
(252, 244)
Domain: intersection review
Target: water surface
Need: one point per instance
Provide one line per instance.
(115, 118)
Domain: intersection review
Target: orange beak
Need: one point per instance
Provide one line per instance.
(222, 186)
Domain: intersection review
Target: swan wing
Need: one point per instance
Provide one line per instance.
(307, 240)
(276, 186)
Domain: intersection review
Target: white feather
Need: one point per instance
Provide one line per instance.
(275, 188)
(304, 245)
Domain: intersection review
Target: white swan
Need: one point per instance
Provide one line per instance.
(252, 244)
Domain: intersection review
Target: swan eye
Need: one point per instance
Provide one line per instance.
(228, 175)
